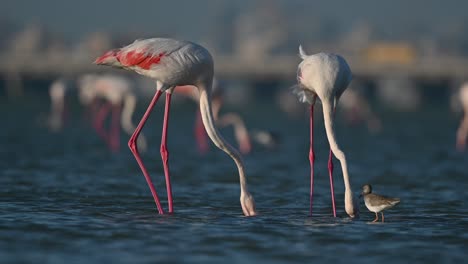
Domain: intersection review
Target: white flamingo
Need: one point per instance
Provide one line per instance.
(119, 98)
(325, 76)
(462, 131)
(174, 63)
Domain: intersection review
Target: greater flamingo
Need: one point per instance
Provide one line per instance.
(325, 76)
(119, 98)
(173, 63)
(462, 131)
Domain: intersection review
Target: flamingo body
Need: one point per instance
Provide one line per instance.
(324, 75)
(172, 62)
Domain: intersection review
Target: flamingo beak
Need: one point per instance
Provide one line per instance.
(109, 58)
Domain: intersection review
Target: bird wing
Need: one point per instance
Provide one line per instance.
(148, 52)
(379, 200)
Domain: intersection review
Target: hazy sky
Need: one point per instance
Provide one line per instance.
(194, 17)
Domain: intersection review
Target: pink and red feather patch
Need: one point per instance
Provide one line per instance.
(139, 59)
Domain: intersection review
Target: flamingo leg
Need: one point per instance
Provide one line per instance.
(165, 152)
(382, 217)
(133, 147)
(376, 218)
(311, 154)
(90, 109)
(245, 146)
(330, 173)
(200, 134)
(98, 122)
(114, 139)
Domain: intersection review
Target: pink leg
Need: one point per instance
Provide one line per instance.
(98, 122)
(330, 172)
(245, 146)
(311, 154)
(133, 147)
(92, 110)
(200, 134)
(114, 138)
(165, 152)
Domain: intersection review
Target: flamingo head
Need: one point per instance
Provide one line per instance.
(109, 59)
(351, 206)
(248, 204)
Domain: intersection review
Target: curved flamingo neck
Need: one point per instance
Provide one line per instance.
(215, 136)
(129, 103)
(328, 119)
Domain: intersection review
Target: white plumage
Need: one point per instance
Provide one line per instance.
(325, 76)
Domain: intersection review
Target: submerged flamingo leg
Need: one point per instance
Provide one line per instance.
(330, 173)
(165, 152)
(133, 147)
(311, 154)
(114, 139)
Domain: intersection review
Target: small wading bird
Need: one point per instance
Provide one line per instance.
(377, 203)
(173, 63)
(325, 76)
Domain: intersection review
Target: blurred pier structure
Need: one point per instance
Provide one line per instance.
(258, 54)
(279, 67)
(270, 69)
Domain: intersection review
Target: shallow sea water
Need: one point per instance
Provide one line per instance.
(64, 198)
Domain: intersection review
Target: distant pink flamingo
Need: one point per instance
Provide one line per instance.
(462, 131)
(325, 76)
(118, 98)
(357, 109)
(240, 130)
(175, 63)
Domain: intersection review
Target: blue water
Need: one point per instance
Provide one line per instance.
(64, 198)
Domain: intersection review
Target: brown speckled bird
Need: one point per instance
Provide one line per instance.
(377, 203)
